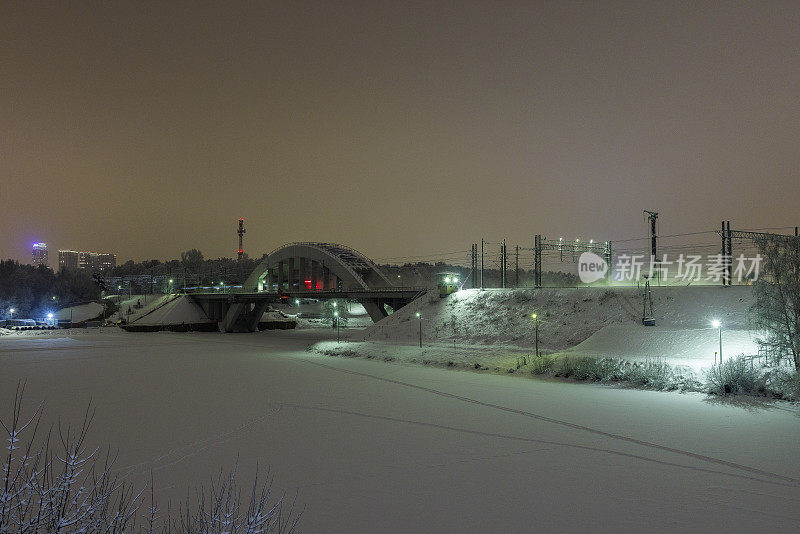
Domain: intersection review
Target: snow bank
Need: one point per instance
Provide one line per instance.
(179, 310)
(79, 314)
(689, 347)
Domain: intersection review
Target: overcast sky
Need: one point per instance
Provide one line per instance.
(398, 128)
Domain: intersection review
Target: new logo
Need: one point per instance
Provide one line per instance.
(591, 267)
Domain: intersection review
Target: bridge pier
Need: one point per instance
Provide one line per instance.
(242, 316)
(374, 308)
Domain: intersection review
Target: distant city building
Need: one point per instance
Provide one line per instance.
(39, 254)
(107, 261)
(91, 261)
(68, 259)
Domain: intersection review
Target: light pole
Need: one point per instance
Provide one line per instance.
(718, 325)
(11, 311)
(336, 318)
(536, 320)
(50, 317)
(420, 329)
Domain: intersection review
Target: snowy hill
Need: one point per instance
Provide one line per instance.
(175, 310)
(81, 313)
(567, 316)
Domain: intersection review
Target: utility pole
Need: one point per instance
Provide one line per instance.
(652, 217)
(481, 263)
(474, 265)
(730, 255)
(503, 264)
(537, 260)
(516, 267)
(727, 253)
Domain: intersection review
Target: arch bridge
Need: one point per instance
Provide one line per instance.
(306, 270)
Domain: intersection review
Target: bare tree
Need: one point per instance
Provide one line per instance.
(68, 487)
(777, 292)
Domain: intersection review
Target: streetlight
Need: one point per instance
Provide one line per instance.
(11, 311)
(420, 329)
(297, 302)
(50, 317)
(536, 320)
(718, 325)
(336, 318)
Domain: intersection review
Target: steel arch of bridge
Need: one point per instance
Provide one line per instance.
(351, 270)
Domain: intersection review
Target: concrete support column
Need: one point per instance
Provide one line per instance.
(281, 278)
(252, 319)
(326, 278)
(375, 309)
(292, 274)
(314, 274)
(305, 272)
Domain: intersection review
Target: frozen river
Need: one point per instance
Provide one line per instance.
(376, 447)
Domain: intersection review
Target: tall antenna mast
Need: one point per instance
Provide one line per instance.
(241, 232)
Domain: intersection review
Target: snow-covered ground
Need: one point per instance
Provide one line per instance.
(405, 448)
(79, 314)
(139, 305)
(172, 309)
(312, 313)
(493, 327)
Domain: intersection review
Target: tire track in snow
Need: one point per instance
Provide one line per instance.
(183, 452)
(567, 424)
(531, 440)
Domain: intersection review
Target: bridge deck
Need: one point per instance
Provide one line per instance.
(272, 296)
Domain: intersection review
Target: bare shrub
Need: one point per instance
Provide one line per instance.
(56, 483)
(735, 375)
(783, 383)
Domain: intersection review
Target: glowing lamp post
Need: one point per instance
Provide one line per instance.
(50, 318)
(336, 319)
(536, 322)
(419, 316)
(11, 311)
(718, 325)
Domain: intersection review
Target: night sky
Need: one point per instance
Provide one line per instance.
(398, 128)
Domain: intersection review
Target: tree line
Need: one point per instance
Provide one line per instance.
(34, 291)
